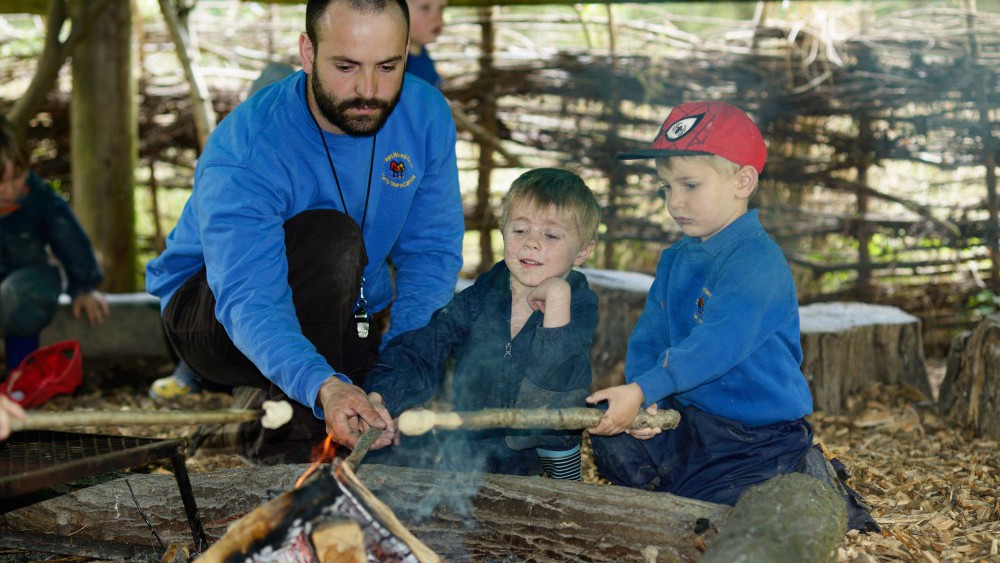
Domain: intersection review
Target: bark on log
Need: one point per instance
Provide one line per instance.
(791, 517)
(460, 518)
(968, 394)
(847, 345)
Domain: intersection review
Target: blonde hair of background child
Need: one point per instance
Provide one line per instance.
(558, 188)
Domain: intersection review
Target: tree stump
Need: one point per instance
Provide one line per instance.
(847, 345)
(621, 298)
(969, 395)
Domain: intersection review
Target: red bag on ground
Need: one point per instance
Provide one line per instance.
(45, 373)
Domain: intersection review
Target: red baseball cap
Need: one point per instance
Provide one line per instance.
(707, 128)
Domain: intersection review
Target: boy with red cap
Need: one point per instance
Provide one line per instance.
(718, 339)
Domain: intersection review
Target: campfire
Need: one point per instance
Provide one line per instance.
(331, 515)
(328, 516)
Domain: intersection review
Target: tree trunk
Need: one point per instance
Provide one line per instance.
(460, 518)
(55, 51)
(847, 345)
(104, 130)
(485, 217)
(791, 517)
(621, 298)
(968, 394)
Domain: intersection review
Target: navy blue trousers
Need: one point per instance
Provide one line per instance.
(29, 298)
(707, 457)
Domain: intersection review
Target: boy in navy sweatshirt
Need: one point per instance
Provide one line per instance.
(718, 339)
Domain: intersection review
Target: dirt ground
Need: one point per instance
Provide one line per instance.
(933, 488)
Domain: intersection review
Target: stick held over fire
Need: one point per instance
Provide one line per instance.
(274, 414)
(419, 421)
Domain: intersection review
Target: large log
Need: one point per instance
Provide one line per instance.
(848, 345)
(791, 517)
(968, 395)
(460, 517)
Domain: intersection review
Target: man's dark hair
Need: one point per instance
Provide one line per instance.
(315, 9)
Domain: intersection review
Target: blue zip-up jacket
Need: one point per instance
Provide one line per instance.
(264, 164)
(720, 329)
(490, 367)
(44, 218)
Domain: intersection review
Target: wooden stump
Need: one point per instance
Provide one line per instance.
(847, 345)
(621, 297)
(969, 393)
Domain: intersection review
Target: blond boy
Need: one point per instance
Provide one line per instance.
(520, 336)
(718, 339)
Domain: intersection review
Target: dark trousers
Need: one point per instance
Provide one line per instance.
(29, 298)
(706, 457)
(326, 258)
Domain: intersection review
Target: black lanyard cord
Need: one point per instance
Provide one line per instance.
(336, 180)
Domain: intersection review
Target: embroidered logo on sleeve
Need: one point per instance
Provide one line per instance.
(398, 170)
(700, 304)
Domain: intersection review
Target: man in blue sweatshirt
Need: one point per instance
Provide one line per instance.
(277, 275)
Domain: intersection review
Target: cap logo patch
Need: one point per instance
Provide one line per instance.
(682, 127)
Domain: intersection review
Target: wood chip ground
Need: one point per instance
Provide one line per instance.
(934, 487)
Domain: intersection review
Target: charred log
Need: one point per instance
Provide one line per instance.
(461, 517)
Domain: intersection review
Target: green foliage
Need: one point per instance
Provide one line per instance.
(983, 303)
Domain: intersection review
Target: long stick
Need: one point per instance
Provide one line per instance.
(272, 413)
(415, 422)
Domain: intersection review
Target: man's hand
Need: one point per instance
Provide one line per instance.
(9, 410)
(552, 297)
(93, 305)
(624, 402)
(350, 413)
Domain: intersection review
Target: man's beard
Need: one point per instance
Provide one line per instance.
(335, 111)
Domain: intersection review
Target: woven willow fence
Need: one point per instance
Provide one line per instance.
(880, 183)
(882, 133)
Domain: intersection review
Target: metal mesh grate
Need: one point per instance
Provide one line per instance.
(35, 460)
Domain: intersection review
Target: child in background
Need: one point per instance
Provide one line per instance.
(34, 219)
(718, 339)
(426, 22)
(520, 335)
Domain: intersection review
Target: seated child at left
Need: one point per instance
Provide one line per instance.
(34, 219)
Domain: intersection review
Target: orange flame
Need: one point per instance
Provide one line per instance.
(319, 456)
